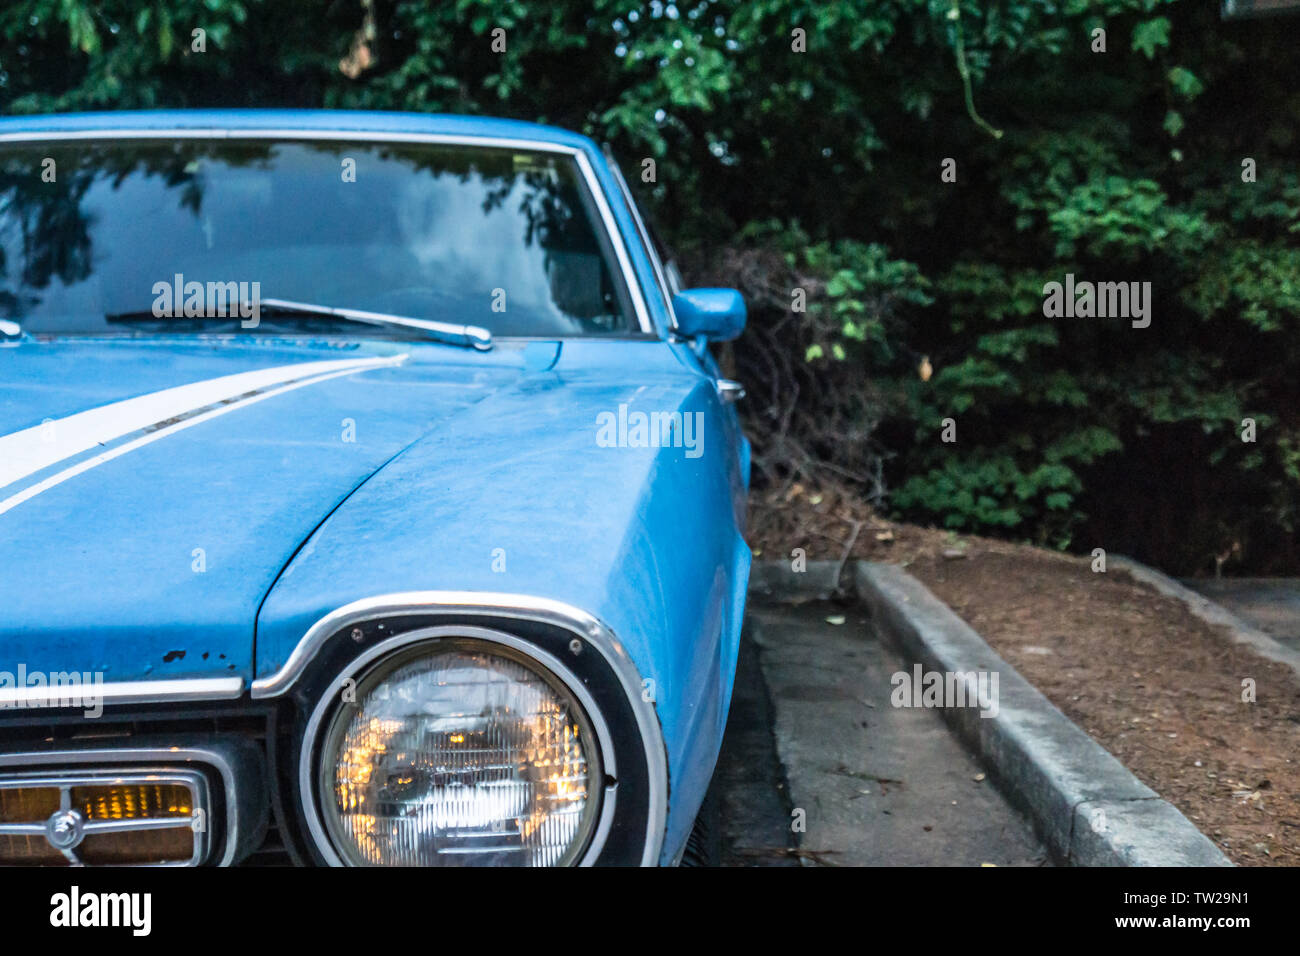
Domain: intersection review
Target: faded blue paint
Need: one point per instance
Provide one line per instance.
(457, 453)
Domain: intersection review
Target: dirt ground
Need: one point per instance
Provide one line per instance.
(1157, 687)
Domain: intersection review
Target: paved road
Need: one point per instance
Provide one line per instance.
(812, 729)
(1271, 604)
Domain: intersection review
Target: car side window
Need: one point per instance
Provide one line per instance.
(668, 278)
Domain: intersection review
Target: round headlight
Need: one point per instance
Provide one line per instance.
(460, 753)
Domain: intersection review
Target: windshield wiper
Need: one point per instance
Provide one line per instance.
(469, 336)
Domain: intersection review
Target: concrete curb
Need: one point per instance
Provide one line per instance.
(1210, 612)
(1089, 808)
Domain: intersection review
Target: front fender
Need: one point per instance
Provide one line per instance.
(518, 496)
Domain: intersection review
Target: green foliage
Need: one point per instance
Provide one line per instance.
(1151, 35)
(1126, 220)
(863, 288)
(821, 170)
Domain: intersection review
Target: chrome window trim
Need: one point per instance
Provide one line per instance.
(510, 607)
(124, 692)
(617, 240)
(192, 780)
(307, 768)
(164, 755)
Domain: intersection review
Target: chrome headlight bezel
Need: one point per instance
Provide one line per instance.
(316, 767)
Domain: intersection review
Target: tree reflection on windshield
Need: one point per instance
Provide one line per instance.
(499, 238)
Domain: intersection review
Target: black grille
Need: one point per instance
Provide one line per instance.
(272, 852)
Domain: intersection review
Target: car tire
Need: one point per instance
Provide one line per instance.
(704, 845)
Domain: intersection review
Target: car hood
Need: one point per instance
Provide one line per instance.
(152, 490)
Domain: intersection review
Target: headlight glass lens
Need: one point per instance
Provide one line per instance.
(460, 753)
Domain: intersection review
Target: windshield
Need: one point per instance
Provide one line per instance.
(143, 236)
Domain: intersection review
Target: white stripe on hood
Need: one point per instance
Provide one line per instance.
(166, 412)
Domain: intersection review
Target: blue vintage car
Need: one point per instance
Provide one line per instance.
(368, 496)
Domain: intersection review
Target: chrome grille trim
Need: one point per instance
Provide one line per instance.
(66, 820)
(127, 692)
(172, 757)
